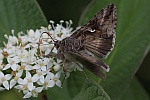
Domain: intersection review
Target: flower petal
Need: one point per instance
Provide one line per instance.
(8, 76)
(35, 77)
(19, 74)
(51, 83)
(19, 87)
(39, 89)
(51, 75)
(35, 67)
(47, 78)
(28, 75)
(58, 83)
(21, 81)
(1, 74)
(30, 86)
(14, 67)
(42, 79)
(57, 67)
(12, 83)
(58, 75)
(2, 89)
(43, 68)
(6, 67)
(6, 85)
(28, 95)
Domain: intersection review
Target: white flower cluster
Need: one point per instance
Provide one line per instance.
(22, 65)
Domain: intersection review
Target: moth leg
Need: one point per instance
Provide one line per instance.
(57, 56)
(85, 74)
(77, 63)
(66, 68)
(50, 55)
(68, 63)
(63, 79)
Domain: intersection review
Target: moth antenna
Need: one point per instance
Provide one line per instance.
(48, 35)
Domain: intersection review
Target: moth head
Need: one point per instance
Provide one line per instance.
(57, 44)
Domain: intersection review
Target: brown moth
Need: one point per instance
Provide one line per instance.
(91, 42)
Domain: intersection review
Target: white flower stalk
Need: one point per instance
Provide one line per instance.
(27, 69)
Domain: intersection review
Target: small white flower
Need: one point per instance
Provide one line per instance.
(40, 74)
(22, 55)
(57, 65)
(45, 36)
(49, 49)
(41, 64)
(9, 48)
(48, 82)
(24, 39)
(12, 63)
(50, 63)
(4, 79)
(29, 80)
(24, 66)
(31, 33)
(22, 87)
(13, 40)
(33, 38)
(38, 33)
(16, 78)
(33, 92)
(55, 79)
(44, 46)
(31, 58)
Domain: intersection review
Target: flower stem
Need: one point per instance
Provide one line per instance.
(43, 95)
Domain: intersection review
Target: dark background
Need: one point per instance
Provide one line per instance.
(57, 10)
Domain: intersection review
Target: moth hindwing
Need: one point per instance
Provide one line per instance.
(96, 38)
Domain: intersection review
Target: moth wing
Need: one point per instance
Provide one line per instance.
(100, 46)
(93, 64)
(98, 34)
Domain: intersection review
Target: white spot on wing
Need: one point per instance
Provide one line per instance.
(92, 30)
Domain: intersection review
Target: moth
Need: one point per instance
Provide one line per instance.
(91, 42)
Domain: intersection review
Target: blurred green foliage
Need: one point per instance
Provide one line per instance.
(132, 43)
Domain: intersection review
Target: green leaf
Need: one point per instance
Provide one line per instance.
(20, 15)
(75, 83)
(10, 95)
(91, 91)
(135, 92)
(132, 43)
(76, 80)
(57, 93)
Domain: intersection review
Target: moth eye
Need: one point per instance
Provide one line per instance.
(56, 44)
